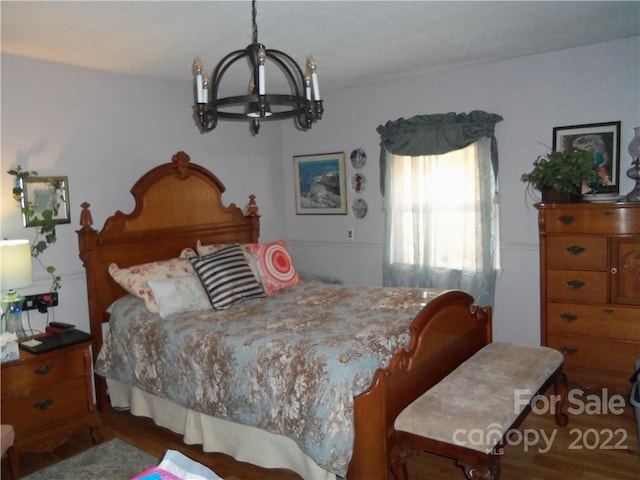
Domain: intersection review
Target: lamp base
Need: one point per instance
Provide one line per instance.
(12, 313)
(634, 174)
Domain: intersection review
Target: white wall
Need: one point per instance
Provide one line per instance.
(592, 84)
(104, 131)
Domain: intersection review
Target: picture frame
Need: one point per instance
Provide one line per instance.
(46, 193)
(601, 138)
(320, 184)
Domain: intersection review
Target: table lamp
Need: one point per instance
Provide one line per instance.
(15, 272)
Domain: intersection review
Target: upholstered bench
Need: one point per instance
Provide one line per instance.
(468, 414)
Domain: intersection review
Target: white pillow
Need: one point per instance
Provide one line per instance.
(179, 294)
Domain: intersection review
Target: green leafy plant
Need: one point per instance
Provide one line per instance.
(564, 172)
(44, 222)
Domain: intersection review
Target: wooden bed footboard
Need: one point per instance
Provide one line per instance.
(447, 331)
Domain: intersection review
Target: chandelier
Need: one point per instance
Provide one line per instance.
(302, 103)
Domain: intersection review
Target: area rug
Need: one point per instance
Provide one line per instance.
(111, 460)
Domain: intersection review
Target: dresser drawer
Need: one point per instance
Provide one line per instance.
(37, 409)
(592, 219)
(42, 372)
(577, 252)
(576, 286)
(595, 353)
(603, 321)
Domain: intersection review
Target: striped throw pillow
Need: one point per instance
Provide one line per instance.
(227, 277)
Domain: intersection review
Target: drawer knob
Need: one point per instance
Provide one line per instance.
(569, 317)
(576, 284)
(44, 404)
(569, 350)
(44, 369)
(567, 219)
(613, 270)
(575, 250)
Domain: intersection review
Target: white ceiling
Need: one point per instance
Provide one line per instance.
(354, 42)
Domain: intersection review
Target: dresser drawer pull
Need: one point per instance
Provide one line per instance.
(567, 219)
(569, 350)
(576, 284)
(569, 317)
(613, 270)
(575, 250)
(44, 369)
(44, 404)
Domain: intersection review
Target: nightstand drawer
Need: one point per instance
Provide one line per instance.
(40, 408)
(577, 252)
(604, 321)
(42, 372)
(576, 286)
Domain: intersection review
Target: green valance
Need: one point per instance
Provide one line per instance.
(436, 134)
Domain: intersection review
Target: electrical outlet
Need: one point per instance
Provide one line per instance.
(350, 234)
(40, 301)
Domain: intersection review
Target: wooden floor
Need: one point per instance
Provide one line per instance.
(585, 449)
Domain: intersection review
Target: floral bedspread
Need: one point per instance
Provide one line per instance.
(290, 363)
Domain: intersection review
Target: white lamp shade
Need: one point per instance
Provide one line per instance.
(15, 264)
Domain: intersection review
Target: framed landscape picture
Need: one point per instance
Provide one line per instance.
(320, 184)
(603, 139)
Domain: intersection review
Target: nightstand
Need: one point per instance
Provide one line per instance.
(49, 396)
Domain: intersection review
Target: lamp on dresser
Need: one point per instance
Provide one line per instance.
(634, 172)
(15, 272)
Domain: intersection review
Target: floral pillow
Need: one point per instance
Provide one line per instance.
(274, 265)
(135, 279)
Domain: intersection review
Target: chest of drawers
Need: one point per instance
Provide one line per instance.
(47, 397)
(590, 289)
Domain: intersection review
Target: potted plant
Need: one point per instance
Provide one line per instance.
(45, 226)
(559, 176)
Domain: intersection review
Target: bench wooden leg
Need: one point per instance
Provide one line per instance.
(488, 471)
(398, 461)
(13, 463)
(560, 390)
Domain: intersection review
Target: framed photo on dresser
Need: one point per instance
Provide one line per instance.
(603, 139)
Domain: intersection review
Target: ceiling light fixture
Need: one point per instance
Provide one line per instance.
(302, 103)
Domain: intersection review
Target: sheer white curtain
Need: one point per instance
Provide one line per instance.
(442, 221)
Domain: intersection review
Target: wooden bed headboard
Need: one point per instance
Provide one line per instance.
(176, 204)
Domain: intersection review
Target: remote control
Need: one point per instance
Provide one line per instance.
(63, 326)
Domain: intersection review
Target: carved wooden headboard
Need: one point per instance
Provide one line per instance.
(176, 204)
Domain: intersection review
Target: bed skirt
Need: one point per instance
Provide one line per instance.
(242, 442)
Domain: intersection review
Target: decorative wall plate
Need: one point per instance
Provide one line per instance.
(359, 208)
(358, 158)
(358, 183)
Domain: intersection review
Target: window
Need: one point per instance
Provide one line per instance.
(441, 226)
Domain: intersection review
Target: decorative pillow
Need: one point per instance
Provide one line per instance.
(134, 279)
(274, 265)
(209, 249)
(227, 277)
(178, 295)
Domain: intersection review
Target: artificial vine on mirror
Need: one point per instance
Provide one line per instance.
(44, 222)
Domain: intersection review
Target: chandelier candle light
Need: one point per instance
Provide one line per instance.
(303, 102)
